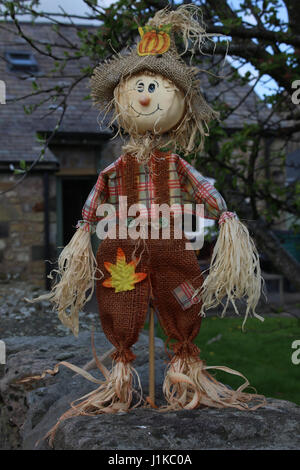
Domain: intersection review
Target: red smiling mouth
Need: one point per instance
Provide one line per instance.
(146, 114)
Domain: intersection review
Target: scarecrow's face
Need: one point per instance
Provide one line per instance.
(150, 103)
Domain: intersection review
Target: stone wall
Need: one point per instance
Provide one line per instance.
(22, 228)
(27, 413)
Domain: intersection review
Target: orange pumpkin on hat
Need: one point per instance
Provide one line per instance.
(154, 41)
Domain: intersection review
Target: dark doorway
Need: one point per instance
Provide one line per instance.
(75, 191)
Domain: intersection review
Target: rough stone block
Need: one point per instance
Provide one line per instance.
(29, 412)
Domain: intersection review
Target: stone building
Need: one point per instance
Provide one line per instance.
(40, 213)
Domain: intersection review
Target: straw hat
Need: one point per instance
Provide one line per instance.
(157, 52)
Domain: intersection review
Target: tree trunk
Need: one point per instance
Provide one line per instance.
(294, 14)
(269, 244)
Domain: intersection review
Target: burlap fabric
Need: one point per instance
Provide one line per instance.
(167, 264)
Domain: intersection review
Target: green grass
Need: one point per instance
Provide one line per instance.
(262, 353)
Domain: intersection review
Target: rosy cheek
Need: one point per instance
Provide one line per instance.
(135, 98)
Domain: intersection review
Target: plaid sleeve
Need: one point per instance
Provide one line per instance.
(200, 190)
(97, 196)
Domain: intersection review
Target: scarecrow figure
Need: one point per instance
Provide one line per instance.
(155, 98)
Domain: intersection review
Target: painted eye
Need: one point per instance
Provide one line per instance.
(151, 88)
(140, 87)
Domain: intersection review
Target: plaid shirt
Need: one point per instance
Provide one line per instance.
(186, 186)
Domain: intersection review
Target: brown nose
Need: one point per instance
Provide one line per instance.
(144, 100)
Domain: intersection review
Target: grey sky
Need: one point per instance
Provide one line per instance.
(75, 7)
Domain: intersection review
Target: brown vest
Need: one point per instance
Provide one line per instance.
(158, 170)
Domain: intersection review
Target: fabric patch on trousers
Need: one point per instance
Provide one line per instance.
(184, 295)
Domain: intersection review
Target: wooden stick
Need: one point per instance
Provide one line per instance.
(151, 357)
(92, 363)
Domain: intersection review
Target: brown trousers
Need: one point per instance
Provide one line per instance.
(123, 314)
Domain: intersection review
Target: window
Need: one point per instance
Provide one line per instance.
(21, 62)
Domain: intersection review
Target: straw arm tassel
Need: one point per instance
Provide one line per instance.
(76, 274)
(235, 270)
